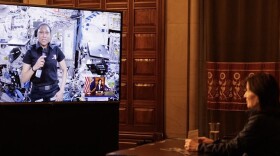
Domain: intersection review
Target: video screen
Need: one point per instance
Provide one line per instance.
(59, 54)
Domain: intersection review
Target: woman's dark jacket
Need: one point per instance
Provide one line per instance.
(259, 137)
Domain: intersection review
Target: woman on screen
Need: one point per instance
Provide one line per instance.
(98, 89)
(40, 67)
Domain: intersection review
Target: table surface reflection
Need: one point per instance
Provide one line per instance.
(168, 147)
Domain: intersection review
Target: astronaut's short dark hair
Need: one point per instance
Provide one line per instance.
(39, 26)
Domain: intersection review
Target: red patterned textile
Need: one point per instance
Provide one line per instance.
(87, 84)
(226, 82)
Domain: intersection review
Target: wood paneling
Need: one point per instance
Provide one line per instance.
(144, 91)
(144, 0)
(116, 5)
(144, 42)
(145, 17)
(144, 116)
(144, 67)
(124, 66)
(123, 91)
(125, 20)
(116, 1)
(124, 43)
(89, 3)
(123, 115)
(62, 2)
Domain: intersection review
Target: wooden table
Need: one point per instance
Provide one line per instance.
(168, 147)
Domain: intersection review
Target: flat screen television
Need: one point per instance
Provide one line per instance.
(89, 39)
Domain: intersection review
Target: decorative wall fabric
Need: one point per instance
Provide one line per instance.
(241, 37)
(226, 82)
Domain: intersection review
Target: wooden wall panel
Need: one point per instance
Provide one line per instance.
(144, 116)
(146, 4)
(144, 42)
(116, 4)
(123, 91)
(70, 3)
(89, 4)
(145, 67)
(145, 17)
(144, 91)
(116, 1)
(125, 20)
(124, 44)
(88, 1)
(124, 66)
(145, 1)
(123, 115)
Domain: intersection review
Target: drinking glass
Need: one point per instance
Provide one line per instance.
(214, 130)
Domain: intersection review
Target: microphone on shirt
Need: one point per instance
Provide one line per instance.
(39, 71)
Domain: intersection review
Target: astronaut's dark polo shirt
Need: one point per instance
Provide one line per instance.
(47, 84)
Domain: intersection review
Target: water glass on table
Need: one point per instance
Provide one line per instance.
(214, 130)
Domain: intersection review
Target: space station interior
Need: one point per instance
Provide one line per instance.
(90, 41)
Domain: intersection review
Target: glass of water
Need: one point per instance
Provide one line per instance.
(214, 130)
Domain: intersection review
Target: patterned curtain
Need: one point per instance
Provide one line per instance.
(241, 37)
(226, 85)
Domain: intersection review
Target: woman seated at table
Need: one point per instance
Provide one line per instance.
(261, 135)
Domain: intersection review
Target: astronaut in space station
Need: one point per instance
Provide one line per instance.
(49, 54)
(40, 67)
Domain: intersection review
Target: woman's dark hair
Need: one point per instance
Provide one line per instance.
(266, 88)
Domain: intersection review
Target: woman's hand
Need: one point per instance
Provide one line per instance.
(205, 140)
(40, 63)
(59, 96)
(191, 145)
